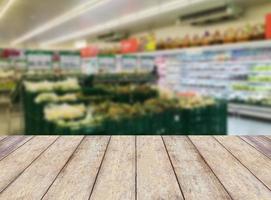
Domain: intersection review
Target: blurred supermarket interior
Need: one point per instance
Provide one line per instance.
(135, 67)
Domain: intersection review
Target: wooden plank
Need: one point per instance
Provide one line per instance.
(255, 161)
(2, 137)
(14, 164)
(259, 142)
(34, 182)
(116, 179)
(155, 175)
(196, 178)
(11, 143)
(238, 181)
(78, 177)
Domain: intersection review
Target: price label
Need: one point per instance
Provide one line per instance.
(129, 63)
(107, 64)
(147, 63)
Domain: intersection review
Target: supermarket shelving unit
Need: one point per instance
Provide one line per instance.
(176, 69)
(217, 77)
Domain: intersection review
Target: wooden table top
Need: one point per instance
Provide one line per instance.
(129, 167)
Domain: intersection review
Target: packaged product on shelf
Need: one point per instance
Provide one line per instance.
(186, 41)
(206, 38)
(217, 37)
(258, 32)
(175, 43)
(196, 41)
(242, 34)
(229, 35)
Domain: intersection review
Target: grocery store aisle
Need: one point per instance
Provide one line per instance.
(15, 122)
(236, 125)
(245, 126)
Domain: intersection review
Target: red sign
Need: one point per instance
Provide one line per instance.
(268, 26)
(90, 51)
(7, 53)
(129, 46)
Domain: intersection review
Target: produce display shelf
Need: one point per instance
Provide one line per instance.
(259, 112)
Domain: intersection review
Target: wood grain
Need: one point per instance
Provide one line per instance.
(129, 167)
(77, 178)
(2, 137)
(155, 175)
(239, 182)
(36, 179)
(10, 144)
(255, 161)
(196, 178)
(116, 179)
(259, 142)
(14, 164)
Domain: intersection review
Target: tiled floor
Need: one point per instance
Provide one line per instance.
(16, 125)
(244, 126)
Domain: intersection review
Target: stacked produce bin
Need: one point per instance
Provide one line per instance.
(129, 109)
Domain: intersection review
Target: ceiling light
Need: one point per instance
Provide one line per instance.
(6, 6)
(80, 44)
(141, 15)
(75, 12)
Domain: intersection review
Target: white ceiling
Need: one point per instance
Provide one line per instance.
(24, 16)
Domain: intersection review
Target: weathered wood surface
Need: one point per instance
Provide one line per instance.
(139, 168)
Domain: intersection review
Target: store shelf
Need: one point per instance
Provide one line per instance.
(240, 45)
(258, 112)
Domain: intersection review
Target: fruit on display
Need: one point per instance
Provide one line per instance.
(197, 101)
(116, 111)
(44, 86)
(53, 98)
(7, 80)
(7, 85)
(64, 112)
(4, 74)
(61, 112)
(48, 86)
(68, 84)
(87, 121)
